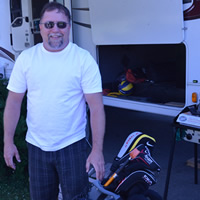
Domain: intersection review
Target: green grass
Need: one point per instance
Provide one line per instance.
(14, 189)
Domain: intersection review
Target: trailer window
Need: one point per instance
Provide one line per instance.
(16, 13)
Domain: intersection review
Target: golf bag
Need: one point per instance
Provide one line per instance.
(133, 170)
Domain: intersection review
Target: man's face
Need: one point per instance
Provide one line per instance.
(55, 38)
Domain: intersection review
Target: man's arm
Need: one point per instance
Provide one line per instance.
(97, 121)
(11, 117)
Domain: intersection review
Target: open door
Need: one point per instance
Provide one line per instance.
(25, 18)
(21, 24)
(136, 21)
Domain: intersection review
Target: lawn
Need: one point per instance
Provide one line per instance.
(14, 189)
(14, 185)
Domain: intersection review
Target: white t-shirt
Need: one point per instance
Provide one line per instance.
(55, 83)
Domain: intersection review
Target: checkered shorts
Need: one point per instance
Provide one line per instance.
(65, 166)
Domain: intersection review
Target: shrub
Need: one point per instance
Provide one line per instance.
(22, 168)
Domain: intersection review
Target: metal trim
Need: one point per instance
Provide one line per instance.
(82, 24)
(84, 9)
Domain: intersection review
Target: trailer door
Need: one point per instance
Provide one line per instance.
(136, 21)
(21, 24)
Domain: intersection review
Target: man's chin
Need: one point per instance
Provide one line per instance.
(56, 46)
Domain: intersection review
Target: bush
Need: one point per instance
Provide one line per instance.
(7, 176)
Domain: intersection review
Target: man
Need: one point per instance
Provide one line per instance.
(59, 79)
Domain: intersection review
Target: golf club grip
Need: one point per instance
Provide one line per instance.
(110, 180)
(132, 154)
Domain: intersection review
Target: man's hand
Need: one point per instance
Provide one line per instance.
(97, 160)
(10, 151)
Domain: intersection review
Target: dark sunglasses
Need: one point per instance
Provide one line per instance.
(50, 24)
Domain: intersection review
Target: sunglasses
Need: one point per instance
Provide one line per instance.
(50, 24)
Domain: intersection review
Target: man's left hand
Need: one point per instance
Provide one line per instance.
(97, 160)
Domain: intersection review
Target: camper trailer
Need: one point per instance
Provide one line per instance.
(153, 45)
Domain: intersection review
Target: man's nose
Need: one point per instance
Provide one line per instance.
(55, 28)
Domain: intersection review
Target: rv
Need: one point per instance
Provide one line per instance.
(153, 44)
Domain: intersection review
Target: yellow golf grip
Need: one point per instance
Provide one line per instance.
(110, 180)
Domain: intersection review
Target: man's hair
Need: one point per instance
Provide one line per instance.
(55, 6)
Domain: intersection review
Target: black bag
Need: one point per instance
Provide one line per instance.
(133, 169)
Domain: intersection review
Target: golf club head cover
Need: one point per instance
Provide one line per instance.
(143, 161)
(132, 141)
(141, 169)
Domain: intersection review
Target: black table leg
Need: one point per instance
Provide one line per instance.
(170, 164)
(195, 163)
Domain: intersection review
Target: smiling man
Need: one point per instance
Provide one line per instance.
(59, 78)
(55, 34)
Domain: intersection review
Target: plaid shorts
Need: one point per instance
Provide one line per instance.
(65, 166)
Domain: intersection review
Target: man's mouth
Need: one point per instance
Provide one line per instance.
(55, 35)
